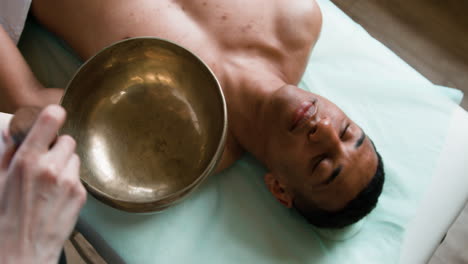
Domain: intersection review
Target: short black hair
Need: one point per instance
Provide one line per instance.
(354, 211)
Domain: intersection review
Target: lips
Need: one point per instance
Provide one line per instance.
(303, 113)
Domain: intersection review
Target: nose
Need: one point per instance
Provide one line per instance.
(324, 136)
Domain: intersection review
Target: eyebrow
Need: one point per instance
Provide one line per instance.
(360, 140)
(334, 174)
(338, 169)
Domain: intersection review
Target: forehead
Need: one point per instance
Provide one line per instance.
(358, 169)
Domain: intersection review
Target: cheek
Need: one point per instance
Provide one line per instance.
(290, 161)
(278, 149)
(286, 146)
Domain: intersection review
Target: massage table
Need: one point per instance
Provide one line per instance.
(443, 202)
(432, 211)
(445, 197)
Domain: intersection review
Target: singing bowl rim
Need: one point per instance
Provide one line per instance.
(154, 205)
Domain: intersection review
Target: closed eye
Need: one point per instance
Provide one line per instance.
(317, 162)
(344, 131)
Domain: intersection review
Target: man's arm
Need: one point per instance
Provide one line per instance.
(18, 85)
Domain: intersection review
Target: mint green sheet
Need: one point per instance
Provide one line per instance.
(232, 218)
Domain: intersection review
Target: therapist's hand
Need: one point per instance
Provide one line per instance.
(40, 192)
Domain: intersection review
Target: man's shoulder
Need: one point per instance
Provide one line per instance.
(232, 152)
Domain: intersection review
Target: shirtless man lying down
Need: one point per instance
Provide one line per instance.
(319, 161)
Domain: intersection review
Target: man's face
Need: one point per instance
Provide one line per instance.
(313, 149)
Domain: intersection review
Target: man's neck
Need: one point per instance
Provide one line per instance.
(246, 101)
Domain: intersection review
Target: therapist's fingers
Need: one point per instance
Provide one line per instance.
(67, 205)
(45, 129)
(62, 151)
(70, 180)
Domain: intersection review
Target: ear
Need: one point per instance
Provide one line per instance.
(278, 190)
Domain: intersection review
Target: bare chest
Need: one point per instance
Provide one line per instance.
(225, 34)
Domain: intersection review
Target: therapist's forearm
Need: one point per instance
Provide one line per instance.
(18, 85)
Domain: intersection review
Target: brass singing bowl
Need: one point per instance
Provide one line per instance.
(150, 122)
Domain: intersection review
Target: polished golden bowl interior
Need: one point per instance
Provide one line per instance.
(149, 119)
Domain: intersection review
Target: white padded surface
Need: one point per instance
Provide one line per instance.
(445, 197)
(4, 120)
